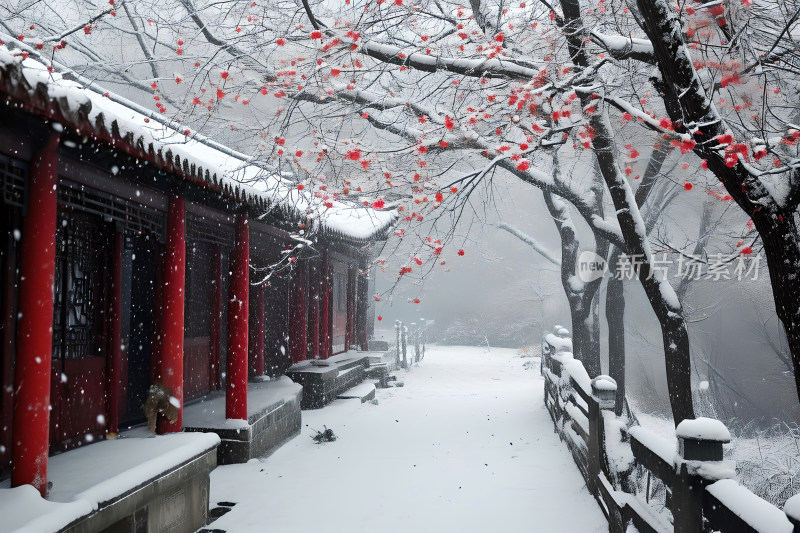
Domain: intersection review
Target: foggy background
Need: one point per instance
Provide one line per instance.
(504, 293)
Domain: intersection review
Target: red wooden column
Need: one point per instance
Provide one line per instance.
(238, 314)
(114, 359)
(257, 346)
(215, 335)
(315, 283)
(35, 332)
(326, 308)
(172, 309)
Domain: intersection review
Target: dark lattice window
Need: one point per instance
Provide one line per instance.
(79, 296)
(199, 289)
(12, 179)
(130, 214)
(340, 291)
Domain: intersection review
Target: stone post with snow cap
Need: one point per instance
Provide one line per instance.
(604, 390)
(702, 439)
(699, 464)
(553, 348)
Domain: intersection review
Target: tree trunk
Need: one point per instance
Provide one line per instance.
(584, 335)
(668, 310)
(615, 318)
(687, 103)
(595, 326)
(585, 338)
(782, 250)
(703, 235)
(615, 293)
(659, 292)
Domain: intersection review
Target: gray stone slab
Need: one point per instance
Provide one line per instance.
(177, 502)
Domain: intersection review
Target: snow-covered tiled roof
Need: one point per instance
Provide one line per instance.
(127, 126)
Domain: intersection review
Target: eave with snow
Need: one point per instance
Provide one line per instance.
(176, 263)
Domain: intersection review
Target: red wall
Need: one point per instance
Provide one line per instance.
(196, 353)
(298, 316)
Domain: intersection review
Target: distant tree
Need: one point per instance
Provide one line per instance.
(584, 312)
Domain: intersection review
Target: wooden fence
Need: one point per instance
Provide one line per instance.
(621, 460)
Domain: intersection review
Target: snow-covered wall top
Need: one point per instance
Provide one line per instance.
(171, 147)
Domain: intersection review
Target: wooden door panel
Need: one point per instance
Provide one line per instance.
(80, 304)
(339, 333)
(84, 409)
(196, 353)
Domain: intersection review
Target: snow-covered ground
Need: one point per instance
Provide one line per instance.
(466, 445)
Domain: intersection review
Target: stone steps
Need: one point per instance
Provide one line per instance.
(363, 391)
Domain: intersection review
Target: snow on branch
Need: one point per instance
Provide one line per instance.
(623, 105)
(625, 47)
(469, 139)
(530, 241)
(384, 103)
(377, 102)
(81, 26)
(489, 68)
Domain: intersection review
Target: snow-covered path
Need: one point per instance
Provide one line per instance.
(466, 445)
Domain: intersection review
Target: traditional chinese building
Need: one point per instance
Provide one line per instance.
(135, 254)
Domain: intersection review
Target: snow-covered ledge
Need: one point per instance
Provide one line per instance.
(273, 417)
(323, 380)
(159, 483)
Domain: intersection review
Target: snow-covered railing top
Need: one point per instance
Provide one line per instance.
(171, 147)
(557, 344)
(607, 452)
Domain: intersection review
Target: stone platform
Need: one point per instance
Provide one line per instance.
(129, 485)
(323, 380)
(273, 417)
